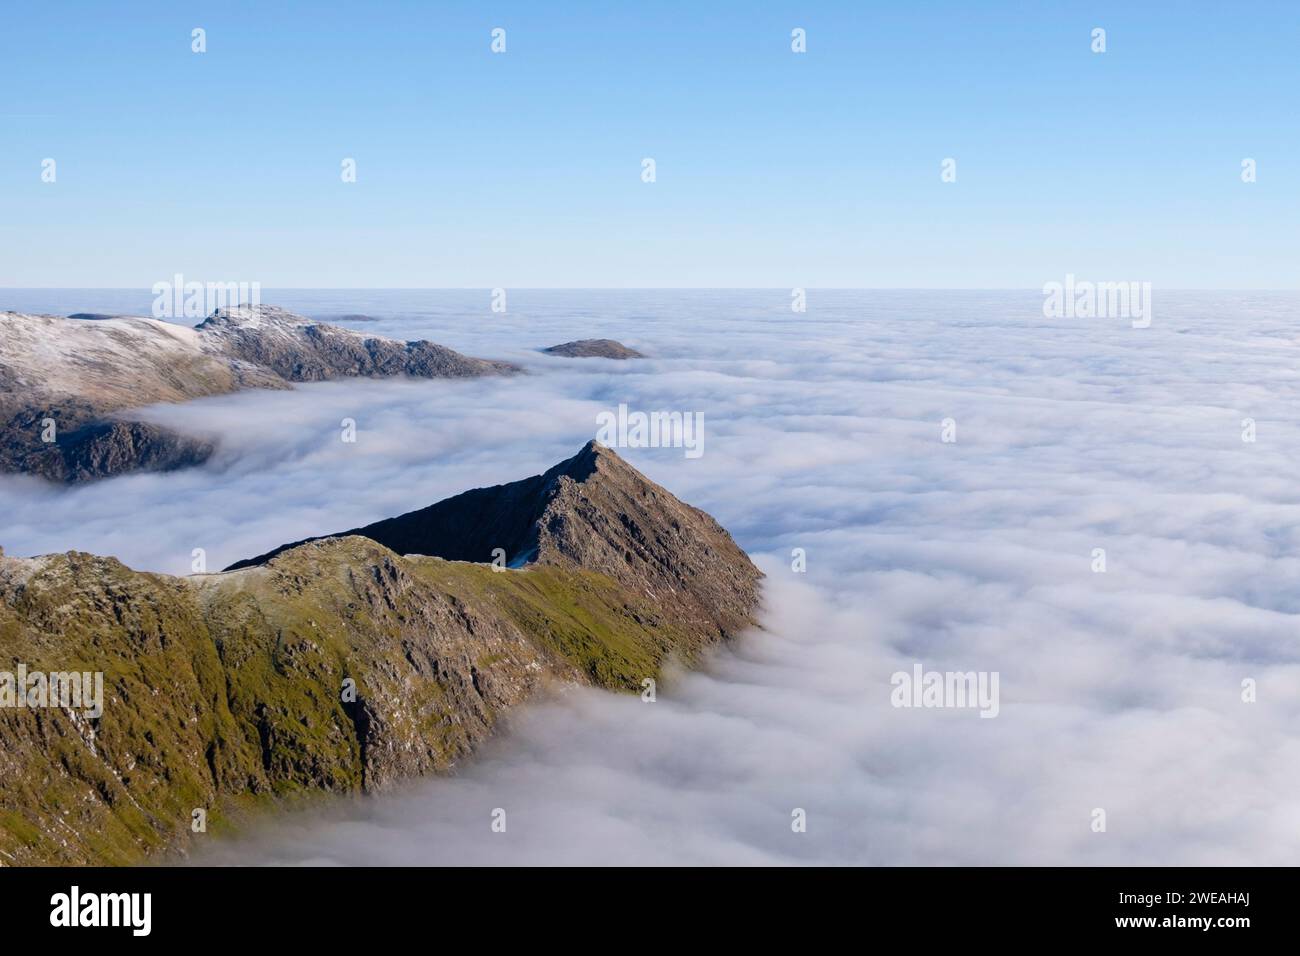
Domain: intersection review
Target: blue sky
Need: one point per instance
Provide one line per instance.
(773, 168)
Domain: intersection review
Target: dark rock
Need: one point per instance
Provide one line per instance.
(301, 350)
(593, 511)
(102, 449)
(594, 348)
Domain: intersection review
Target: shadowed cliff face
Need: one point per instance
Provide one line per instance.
(89, 446)
(469, 526)
(82, 376)
(339, 665)
(593, 511)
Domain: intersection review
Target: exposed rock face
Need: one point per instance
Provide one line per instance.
(594, 348)
(300, 350)
(102, 448)
(228, 690)
(593, 511)
(83, 375)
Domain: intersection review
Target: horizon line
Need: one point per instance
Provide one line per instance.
(599, 288)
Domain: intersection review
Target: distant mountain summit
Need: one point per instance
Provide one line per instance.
(65, 382)
(345, 663)
(299, 349)
(593, 348)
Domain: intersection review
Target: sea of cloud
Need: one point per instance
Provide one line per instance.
(1119, 691)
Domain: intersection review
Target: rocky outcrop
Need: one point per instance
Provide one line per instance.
(101, 448)
(301, 350)
(67, 385)
(340, 665)
(594, 348)
(593, 511)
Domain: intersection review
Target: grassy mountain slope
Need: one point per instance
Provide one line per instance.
(228, 690)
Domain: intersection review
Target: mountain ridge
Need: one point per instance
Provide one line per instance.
(67, 385)
(230, 691)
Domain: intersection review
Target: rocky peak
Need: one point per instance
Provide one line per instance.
(254, 317)
(302, 350)
(219, 688)
(595, 512)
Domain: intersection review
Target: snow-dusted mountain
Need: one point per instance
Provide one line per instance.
(64, 383)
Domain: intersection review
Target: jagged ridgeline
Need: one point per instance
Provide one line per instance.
(344, 663)
(67, 384)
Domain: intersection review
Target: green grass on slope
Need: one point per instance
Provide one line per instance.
(613, 637)
(223, 692)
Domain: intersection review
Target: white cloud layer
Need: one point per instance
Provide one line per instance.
(1119, 690)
